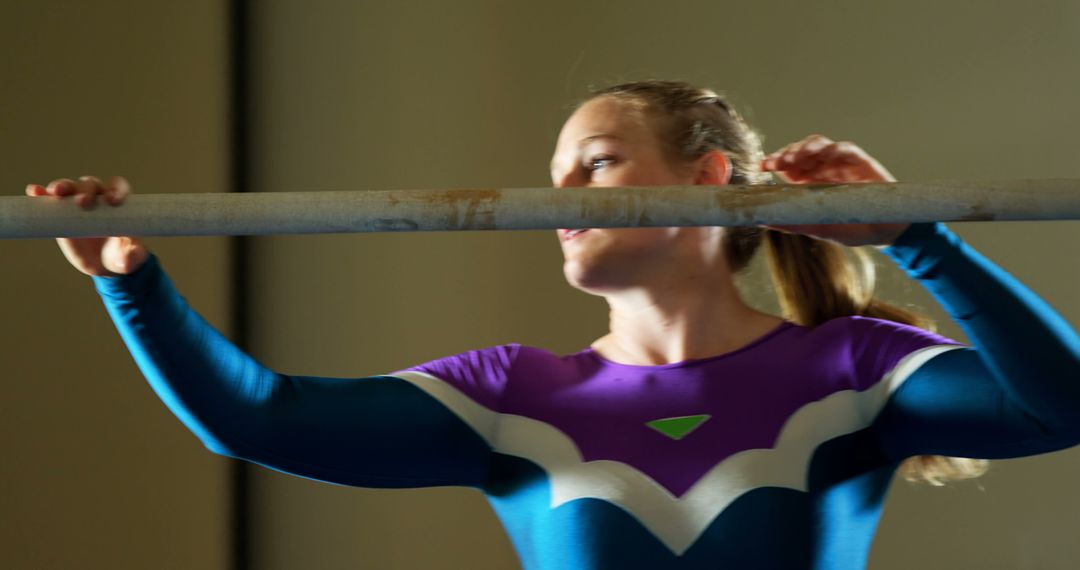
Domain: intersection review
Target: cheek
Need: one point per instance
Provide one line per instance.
(647, 239)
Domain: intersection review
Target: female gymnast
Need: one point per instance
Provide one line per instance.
(698, 432)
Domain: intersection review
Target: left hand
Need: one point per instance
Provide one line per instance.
(820, 160)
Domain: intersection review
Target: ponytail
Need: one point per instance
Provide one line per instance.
(817, 280)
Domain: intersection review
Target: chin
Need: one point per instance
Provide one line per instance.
(590, 279)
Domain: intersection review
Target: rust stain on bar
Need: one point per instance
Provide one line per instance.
(748, 198)
(754, 196)
(479, 213)
(979, 213)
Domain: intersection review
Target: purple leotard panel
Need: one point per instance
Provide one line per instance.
(748, 395)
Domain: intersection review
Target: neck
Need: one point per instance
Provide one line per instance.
(667, 324)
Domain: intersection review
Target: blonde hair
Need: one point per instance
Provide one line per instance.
(815, 280)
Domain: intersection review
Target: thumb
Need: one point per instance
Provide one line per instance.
(123, 255)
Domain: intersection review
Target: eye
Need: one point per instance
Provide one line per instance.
(600, 161)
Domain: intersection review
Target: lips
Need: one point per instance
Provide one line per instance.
(568, 235)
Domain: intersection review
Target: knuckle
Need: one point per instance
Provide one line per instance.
(119, 184)
(847, 147)
(88, 185)
(60, 187)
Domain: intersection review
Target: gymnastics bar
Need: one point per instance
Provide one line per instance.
(263, 213)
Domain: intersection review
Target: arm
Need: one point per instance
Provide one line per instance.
(377, 432)
(1017, 392)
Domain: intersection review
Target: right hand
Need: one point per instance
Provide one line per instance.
(102, 257)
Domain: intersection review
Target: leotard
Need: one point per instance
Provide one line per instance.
(776, 455)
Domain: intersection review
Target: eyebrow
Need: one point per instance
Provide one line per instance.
(599, 136)
(586, 140)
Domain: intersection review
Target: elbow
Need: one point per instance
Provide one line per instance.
(1062, 426)
(213, 441)
(218, 447)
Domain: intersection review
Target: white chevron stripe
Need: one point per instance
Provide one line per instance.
(677, 521)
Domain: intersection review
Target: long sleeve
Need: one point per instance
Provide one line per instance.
(376, 432)
(1015, 392)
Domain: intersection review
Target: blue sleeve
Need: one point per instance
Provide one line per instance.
(1015, 392)
(372, 432)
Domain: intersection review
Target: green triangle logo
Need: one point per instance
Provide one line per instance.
(678, 428)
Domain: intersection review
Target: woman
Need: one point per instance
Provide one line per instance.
(697, 433)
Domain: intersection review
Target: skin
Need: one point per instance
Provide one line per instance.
(105, 257)
(671, 293)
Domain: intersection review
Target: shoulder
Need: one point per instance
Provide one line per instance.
(869, 332)
(484, 374)
(861, 335)
(493, 361)
(880, 348)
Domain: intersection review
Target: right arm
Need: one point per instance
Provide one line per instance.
(373, 432)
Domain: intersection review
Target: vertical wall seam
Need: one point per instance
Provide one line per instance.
(240, 160)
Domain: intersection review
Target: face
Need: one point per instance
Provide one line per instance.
(608, 142)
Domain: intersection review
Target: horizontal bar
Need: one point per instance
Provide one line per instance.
(264, 213)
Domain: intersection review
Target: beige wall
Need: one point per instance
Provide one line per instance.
(96, 473)
(471, 93)
(444, 94)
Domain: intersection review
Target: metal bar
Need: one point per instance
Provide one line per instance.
(541, 208)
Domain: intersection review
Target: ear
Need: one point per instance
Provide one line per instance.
(713, 169)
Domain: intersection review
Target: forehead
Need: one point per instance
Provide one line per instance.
(604, 116)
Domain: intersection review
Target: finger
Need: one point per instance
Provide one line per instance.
(798, 155)
(835, 173)
(787, 157)
(843, 152)
(808, 155)
(824, 160)
(90, 185)
(117, 190)
(771, 163)
(87, 188)
(775, 155)
(853, 164)
(775, 161)
(793, 176)
(814, 140)
(35, 190)
(61, 187)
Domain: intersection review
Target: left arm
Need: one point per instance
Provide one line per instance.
(1017, 392)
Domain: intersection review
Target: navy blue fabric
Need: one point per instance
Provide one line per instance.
(371, 432)
(1016, 392)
